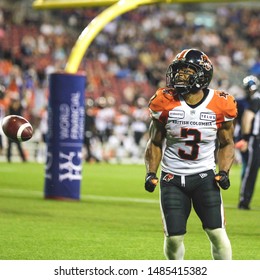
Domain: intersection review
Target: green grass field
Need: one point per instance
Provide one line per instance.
(114, 220)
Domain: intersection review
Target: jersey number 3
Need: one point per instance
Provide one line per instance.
(186, 132)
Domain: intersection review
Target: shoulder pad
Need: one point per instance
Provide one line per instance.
(227, 104)
(163, 100)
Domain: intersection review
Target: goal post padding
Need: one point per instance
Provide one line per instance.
(66, 115)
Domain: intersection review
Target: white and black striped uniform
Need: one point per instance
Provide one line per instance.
(253, 156)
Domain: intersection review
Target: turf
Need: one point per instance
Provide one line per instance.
(114, 220)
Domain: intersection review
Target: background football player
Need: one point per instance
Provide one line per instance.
(250, 143)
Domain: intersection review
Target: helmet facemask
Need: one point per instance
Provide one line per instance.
(183, 85)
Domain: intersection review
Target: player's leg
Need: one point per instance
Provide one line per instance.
(9, 150)
(207, 202)
(244, 158)
(21, 152)
(175, 208)
(220, 244)
(250, 175)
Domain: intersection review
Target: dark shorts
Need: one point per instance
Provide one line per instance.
(179, 194)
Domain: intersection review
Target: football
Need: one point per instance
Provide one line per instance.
(17, 128)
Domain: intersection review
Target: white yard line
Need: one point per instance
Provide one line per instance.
(85, 197)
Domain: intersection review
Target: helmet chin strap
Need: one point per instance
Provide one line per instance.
(182, 90)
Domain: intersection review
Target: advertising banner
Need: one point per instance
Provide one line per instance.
(66, 114)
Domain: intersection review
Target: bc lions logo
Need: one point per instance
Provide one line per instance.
(168, 177)
(205, 62)
(223, 94)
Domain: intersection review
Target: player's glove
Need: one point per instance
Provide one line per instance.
(150, 181)
(222, 180)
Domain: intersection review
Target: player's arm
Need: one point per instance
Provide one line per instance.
(226, 153)
(153, 154)
(246, 125)
(246, 121)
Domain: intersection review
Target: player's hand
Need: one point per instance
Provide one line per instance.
(241, 145)
(222, 180)
(150, 181)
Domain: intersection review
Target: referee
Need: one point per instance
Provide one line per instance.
(250, 127)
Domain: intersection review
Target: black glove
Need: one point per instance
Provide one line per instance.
(150, 181)
(222, 180)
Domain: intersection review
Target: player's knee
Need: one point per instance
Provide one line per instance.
(218, 237)
(216, 234)
(174, 241)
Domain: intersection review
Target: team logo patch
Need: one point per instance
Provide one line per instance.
(208, 116)
(223, 94)
(192, 112)
(203, 175)
(168, 91)
(168, 177)
(177, 114)
(205, 62)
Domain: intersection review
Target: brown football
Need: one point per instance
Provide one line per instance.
(17, 128)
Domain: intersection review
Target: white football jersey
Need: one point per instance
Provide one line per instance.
(191, 132)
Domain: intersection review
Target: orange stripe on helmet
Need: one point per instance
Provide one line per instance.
(182, 54)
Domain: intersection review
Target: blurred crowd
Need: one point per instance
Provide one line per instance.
(124, 64)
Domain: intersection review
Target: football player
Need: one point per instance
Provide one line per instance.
(188, 121)
(250, 143)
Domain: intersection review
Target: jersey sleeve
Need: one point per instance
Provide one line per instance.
(161, 103)
(224, 106)
(230, 108)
